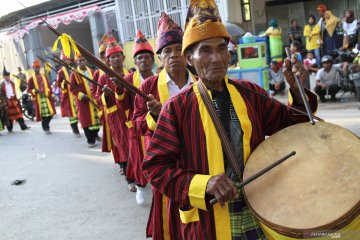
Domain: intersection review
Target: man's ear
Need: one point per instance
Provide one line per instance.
(189, 59)
(159, 57)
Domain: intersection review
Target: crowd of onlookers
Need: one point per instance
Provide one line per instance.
(324, 35)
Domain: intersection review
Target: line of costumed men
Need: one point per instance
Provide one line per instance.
(171, 140)
(184, 160)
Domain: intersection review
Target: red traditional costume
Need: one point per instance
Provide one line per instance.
(185, 150)
(168, 33)
(67, 99)
(114, 115)
(42, 95)
(87, 107)
(12, 108)
(136, 144)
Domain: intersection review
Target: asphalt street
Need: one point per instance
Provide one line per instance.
(73, 192)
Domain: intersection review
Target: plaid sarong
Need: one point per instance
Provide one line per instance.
(44, 108)
(97, 124)
(73, 120)
(14, 109)
(244, 225)
(1, 125)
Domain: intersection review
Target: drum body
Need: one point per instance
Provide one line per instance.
(312, 194)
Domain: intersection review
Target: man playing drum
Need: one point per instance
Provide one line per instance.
(185, 160)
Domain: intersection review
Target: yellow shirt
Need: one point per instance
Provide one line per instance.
(272, 32)
(312, 37)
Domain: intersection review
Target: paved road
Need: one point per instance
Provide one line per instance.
(73, 192)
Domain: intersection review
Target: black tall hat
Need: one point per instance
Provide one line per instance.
(5, 73)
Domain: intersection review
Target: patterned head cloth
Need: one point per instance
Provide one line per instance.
(36, 63)
(203, 22)
(112, 47)
(168, 32)
(5, 72)
(141, 44)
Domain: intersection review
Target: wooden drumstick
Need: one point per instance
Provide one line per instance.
(258, 174)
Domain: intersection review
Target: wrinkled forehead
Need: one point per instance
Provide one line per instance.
(211, 42)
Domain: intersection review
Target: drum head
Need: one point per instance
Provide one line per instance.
(318, 188)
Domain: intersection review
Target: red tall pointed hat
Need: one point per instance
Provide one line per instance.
(36, 63)
(112, 47)
(141, 44)
(168, 32)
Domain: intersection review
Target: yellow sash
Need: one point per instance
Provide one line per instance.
(108, 111)
(46, 92)
(215, 155)
(71, 97)
(162, 87)
(88, 93)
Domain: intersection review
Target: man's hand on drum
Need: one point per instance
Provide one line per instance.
(222, 188)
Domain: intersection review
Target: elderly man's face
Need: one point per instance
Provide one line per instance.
(144, 61)
(210, 58)
(172, 59)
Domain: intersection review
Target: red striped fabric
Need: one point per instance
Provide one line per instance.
(177, 150)
(116, 120)
(84, 110)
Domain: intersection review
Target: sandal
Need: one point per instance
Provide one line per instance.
(121, 171)
(132, 187)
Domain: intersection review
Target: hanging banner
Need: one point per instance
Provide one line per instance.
(66, 18)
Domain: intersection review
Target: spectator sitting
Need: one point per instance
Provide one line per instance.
(295, 49)
(295, 32)
(310, 63)
(326, 78)
(276, 78)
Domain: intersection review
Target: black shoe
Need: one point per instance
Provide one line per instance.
(25, 128)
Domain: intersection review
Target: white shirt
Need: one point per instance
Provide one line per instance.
(350, 28)
(9, 90)
(173, 88)
(328, 78)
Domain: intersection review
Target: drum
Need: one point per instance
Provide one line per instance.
(314, 193)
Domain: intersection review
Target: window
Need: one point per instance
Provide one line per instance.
(246, 13)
